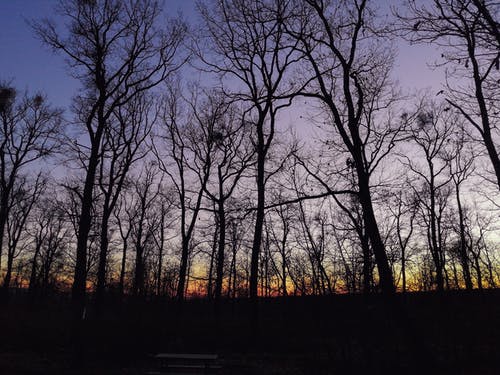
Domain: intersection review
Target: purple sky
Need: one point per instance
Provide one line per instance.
(32, 66)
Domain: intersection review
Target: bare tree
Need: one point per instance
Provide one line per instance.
(188, 163)
(227, 138)
(432, 129)
(163, 211)
(467, 33)
(461, 157)
(30, 130)
(238, 227)
(125, 217)
(280, 233)
(404, 208)
(22, 199)
(123, 143)
(117, 50)
(313, 239)
(146, 191)
(350, 66)
(250, 47)
(51, 234)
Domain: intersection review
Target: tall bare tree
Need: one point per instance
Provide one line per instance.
(250, 47)
(432, 129)
(350, 75)
(461, 157)
(227, 138)
(117, 50)
(403, 208)
(123, 145)
(146, 190)
(188, 163)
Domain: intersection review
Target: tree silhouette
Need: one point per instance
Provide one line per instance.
(117, 51)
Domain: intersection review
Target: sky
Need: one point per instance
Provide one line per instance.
(31, 66)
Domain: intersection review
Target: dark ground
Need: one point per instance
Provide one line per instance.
(453, 333)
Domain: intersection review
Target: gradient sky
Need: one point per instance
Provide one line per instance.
(31, 66)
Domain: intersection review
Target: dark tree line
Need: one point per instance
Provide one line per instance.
(172, 186)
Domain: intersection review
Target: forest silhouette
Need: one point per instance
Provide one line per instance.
(254, 184)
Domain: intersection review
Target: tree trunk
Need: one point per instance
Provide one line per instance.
(8, 274)
(3, 221)
(367, 264)
(183, 270)
(384, 271)
(121, 285)
(259, 219)
(139, 271)
(160, 255)
(403, 268)
(210, 286)
(435, 244)
(220, 253)
(464, 259)
(139, 262)
(479, 273)
(483, 112)
(34, 265)
(103, 256)
(78, 289)
(283, 261)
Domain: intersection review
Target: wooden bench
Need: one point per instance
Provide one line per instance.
(186, 364)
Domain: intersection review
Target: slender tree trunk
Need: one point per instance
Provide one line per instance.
(139, 261)
(367, 264)
(259, 218)
(232, 271)
(34, 266)
(479, 273)
(187, 234)
(384, 271)
(8, 274)
(78, 290)
(283, 263)
(183, 269)
(210, 286)
(455, 275)
(3, 221)
(435, 244)
(464, 259)
(121, 285)
(46, 273)
(220, 253)
(103, 256)
(159, 285)
(139, 271)
(403, 268)
(490, 267)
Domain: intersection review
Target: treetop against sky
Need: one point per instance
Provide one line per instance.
(33, 66)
